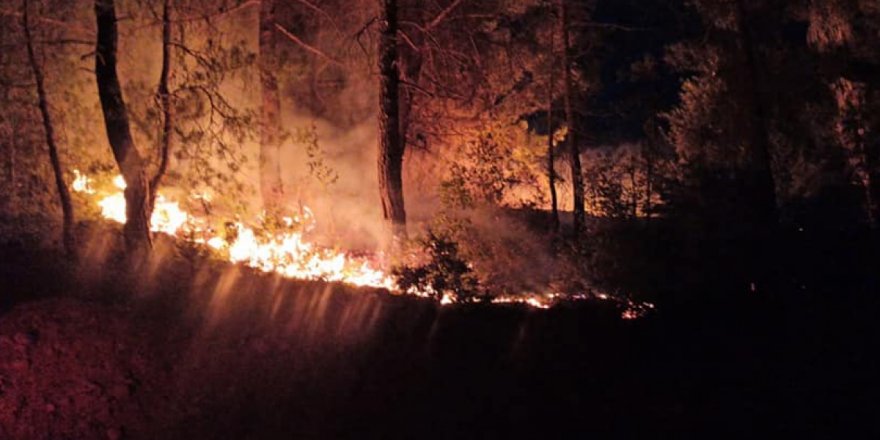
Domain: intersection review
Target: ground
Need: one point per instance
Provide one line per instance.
(191, 349)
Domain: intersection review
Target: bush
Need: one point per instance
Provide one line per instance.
(444, 273)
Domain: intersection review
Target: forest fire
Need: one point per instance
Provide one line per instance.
(286, 252)
(439, 219)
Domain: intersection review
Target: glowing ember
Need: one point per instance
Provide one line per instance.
(113, 207)
(167, 216)
(82, 183)
(537, 301)
(119, 182)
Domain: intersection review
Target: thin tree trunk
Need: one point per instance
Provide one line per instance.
(635, 192)
(67, 235)
(164, 94)
(551, 155)
(574, 157)
(132, 166)
(391, 146)
(649, 178)
(271, 185)
(759, 142)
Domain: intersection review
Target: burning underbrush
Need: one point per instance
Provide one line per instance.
(483, 254)
(486, 269)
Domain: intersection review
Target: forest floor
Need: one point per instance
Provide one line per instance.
(200, 350)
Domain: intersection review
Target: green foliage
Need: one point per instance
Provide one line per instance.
(505, 254)
(319, 169)
(210, 126)
(621, 180)
(498, 167)
(444, 273)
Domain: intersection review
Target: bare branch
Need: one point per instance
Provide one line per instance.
(58, 42)
(320, 12)
(442, 15)
(416, 87)
(54, 22)
(219, 13)
(614, 26)
(307, 46)
(198, 17)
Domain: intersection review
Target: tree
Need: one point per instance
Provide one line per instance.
(574, 155)
(391, 146)
(132, 165)
(845, 34)
(68, 238)
(759, 136)
(551, 154)
(551, 144)
(165, 103)
(271, 187)
(726, 95)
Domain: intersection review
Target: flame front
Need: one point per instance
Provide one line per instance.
(288, 253)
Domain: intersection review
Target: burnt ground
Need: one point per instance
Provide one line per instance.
(198, 350)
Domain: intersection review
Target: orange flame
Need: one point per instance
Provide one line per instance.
(288, 253)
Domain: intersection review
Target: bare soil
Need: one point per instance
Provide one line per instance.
(197, 350)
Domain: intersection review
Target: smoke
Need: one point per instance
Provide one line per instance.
(340, 103)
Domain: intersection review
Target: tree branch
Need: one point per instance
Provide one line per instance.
(308, 47)
(320, 12)
(442, 15)
(45, 20)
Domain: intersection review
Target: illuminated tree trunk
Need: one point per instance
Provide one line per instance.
(574, 156)
(67, 236)
(551, 155)
(410, 60)
(164, 95)
(648, 153)
(391, 147)
(271, 185)
(132, 166)
(551, 176)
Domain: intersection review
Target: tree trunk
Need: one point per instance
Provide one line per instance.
(391, 147)
(551, 155)
(635, 193)
(67, 235)
(271, 185)
(164, 95)
(132, 166)
(762, 181)
(411, 60)
(574, 156)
